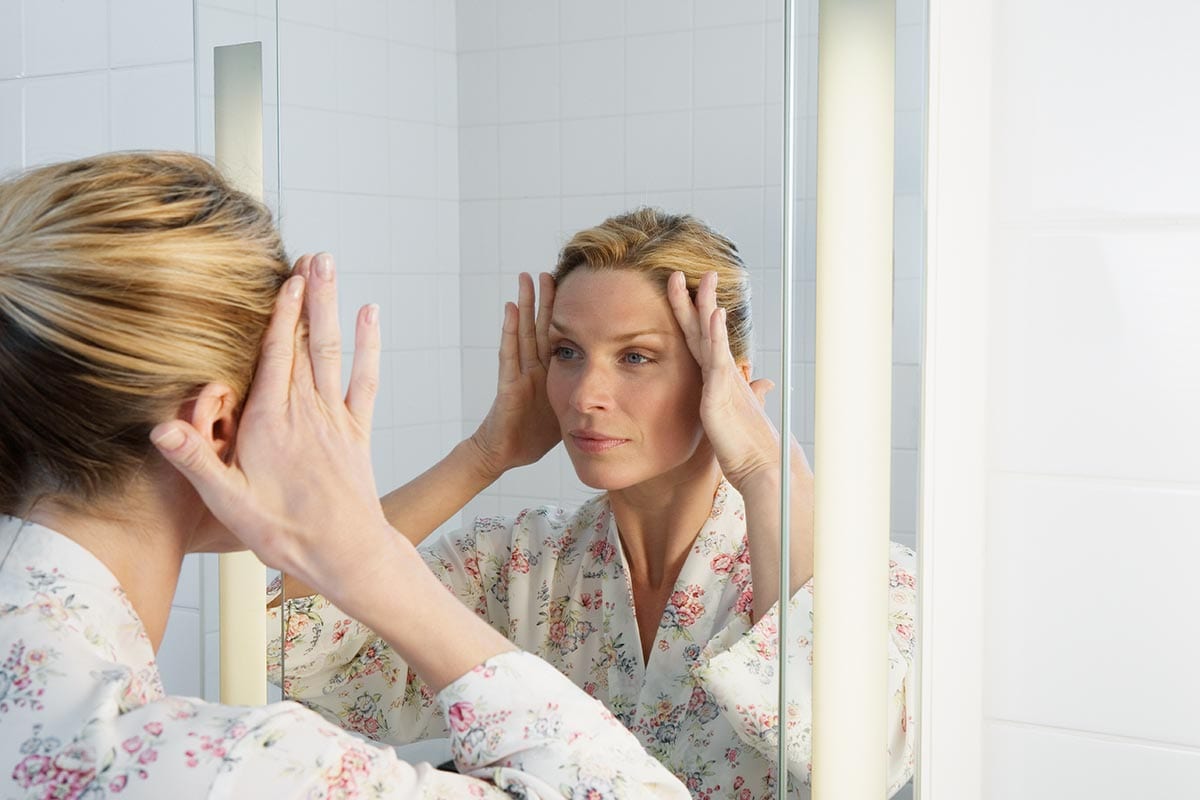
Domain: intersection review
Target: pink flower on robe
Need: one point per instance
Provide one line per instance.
(462, 716)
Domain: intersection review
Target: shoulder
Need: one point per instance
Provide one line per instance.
(540, 524)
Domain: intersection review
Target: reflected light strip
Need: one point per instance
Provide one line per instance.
(239, 125)
(855, 163)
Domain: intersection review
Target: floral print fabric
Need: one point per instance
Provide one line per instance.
(556, 583)
(83, 714)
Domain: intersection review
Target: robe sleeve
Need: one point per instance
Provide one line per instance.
(517, 728)
(341, 669)
(738, 670)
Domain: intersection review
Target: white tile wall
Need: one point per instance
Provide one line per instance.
(1079, 612)
(1103, 349)
(594, 19)
(1032, 763)
(1095, 489)
(48, 137)
(1067, 80)
(170, 124)
(12, 41)
(527, 84)
(65, 37)
(12, 137)
(149, 31)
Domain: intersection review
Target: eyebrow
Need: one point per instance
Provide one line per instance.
(624, 337)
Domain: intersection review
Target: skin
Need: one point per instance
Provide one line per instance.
(621, 371)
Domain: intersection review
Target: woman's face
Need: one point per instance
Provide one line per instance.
(622, 381)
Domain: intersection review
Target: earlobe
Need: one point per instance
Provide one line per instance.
(214, 416)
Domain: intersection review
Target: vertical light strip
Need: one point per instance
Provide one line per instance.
(855, 163)
(785, 372)
(239, 126)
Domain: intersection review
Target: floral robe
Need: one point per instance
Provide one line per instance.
(83, 714)
(556, 583)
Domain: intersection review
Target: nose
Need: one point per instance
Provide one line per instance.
(593, 388)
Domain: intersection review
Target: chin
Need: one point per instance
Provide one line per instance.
(605, 479)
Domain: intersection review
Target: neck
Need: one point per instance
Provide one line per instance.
(658, 520)
(143, 547)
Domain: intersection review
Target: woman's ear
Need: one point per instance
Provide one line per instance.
(214, 416)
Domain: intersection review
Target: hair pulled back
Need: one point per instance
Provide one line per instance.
(127, 282)
(655, 243)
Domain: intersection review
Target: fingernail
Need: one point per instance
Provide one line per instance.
(325, 266)
(372, 313)
(169, 439)
(295, 287)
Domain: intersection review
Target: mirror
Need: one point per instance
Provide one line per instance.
(440, 149)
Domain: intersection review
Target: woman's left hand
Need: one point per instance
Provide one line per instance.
(731, 406)
(300, 492)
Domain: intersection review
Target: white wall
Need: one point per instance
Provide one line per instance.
(572, 112)
(1092, 359)
(1094, 500)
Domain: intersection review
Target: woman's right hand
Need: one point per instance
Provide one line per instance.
(520, 427)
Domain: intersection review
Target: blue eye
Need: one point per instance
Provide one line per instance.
(565, 353)
(636, 358)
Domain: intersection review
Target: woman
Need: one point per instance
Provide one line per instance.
(659, 597)
(135, 291)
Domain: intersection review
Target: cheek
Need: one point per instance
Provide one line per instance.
(558, 390)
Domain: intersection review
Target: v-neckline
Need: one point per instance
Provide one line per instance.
(707, 528)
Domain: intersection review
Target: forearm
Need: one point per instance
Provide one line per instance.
(761, 494)
(398, 598)
(418, 507)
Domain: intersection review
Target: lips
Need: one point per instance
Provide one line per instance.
(593, 442)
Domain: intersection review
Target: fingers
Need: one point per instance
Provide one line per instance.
(684, 310)
(186, 450)
(527, 335)
(303, 265)
(706, 295)
(273, 375)
(545, 312)
(324, 337)
(364, 370)
(510, 367)
(716, 342)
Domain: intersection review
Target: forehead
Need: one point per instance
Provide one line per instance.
(616, 300)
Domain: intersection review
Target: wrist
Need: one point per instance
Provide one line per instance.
(478, 458)
(762, 482)
(394, 567)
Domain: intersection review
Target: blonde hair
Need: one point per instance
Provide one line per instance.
(127, 282)
(655, 243)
